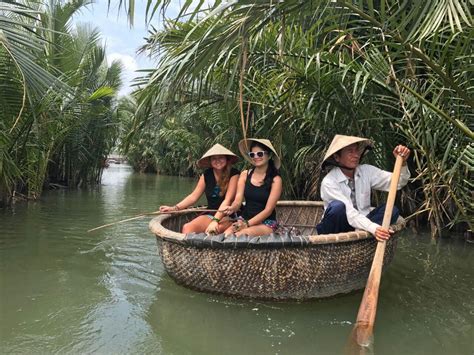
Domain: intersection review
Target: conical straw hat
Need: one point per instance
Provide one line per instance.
(340, 141)
(216, 149)
(244, 147)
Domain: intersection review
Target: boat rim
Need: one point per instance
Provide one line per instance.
(163, 233)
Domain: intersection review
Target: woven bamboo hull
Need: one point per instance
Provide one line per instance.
(327, 266)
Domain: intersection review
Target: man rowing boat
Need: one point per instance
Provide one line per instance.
(346, 189)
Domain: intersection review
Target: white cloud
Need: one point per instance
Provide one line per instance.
(130, 66)
(122, 41)
(129, 63)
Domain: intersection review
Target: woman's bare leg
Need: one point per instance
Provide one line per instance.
(259, 229)
(197, 225)
(223, 226)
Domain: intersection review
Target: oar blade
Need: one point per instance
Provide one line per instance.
(361, 340)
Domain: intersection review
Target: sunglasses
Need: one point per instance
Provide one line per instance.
(257, 154)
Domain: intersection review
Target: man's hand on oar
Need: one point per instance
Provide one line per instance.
(383, 234)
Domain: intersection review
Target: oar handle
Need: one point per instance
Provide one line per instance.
(392, 192)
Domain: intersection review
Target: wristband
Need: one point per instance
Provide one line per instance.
(215, 219)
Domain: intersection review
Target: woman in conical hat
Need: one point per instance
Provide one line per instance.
(346, 189)
(219, 183)
(261, 188)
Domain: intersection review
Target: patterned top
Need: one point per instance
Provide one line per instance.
(213, 190)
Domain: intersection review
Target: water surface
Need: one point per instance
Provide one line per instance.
(63, 290)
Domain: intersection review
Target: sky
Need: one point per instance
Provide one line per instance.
(123, 41)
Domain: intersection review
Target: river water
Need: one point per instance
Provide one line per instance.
(63, 290)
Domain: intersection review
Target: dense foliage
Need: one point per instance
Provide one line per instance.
(57, 121)
(299, 72)
(296, 72)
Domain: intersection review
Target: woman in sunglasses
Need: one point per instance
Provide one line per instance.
(219, 183)
(261, 188)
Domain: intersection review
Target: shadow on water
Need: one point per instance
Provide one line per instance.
(63, 290)
(196, 323)
(429, 287)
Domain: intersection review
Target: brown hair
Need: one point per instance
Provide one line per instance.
(223, 182)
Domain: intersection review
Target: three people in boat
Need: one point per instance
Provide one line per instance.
(346, 189)
(219, 183)
(260, 187)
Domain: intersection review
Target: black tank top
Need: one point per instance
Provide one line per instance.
(256, 198)
(213, 190)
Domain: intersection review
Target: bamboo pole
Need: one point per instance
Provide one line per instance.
(157, 213)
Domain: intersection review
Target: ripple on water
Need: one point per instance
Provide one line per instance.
(64, 290)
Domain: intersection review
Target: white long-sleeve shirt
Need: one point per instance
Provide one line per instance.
(366, 177)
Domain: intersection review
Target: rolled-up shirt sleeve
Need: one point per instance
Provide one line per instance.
(404, 176)
(331, 191)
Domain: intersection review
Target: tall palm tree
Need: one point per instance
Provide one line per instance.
(58, 98)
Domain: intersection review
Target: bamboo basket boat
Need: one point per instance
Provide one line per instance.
(295, 265)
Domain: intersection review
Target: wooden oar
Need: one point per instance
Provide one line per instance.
(150, 214)
(361, 337)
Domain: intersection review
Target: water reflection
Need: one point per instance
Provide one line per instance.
(419, 312)
(63, 290)
(195, 323)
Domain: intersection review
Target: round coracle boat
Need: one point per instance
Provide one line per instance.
(293, 264)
